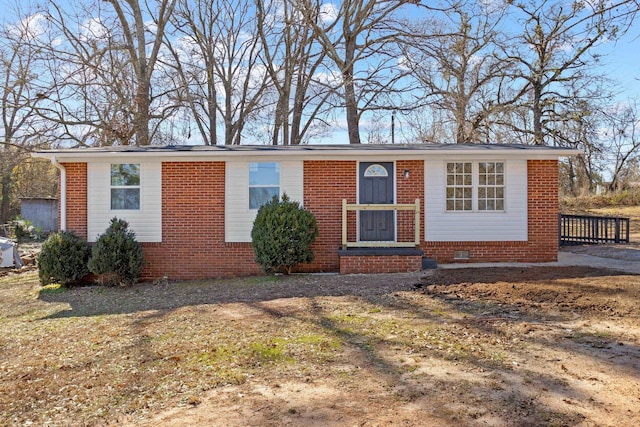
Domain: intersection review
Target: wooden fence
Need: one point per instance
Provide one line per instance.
(584, 229)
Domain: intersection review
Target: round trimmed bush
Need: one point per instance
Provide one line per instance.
(63, 259)
(282, 235)
(117, 258)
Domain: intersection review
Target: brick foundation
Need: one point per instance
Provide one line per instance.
(375, 261)
(380, 264)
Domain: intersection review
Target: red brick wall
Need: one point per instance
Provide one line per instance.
(76, 198)
(543, 208)
(193, 227)
(407, 191)
(542, 244)
(380, 264)
(326, 183)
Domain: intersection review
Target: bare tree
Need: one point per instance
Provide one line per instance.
(193, 52)
(622, 131)
(133, 21)
(555, 48)
(219, 65)
(292, 56)
(106, 88)
(91, 98)
(458, 69)
(361, 39)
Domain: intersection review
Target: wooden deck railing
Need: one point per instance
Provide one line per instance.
(381, 207)
(584, 229)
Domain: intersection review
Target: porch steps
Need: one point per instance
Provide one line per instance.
(383, 260)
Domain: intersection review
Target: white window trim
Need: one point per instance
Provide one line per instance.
(475, 184)
(139, 187)
(446, 186)
(503, 186)
(279, 186)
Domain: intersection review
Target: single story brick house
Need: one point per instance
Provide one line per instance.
(380, 208)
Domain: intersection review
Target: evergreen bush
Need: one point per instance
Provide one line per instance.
(117, 258)
(282, 235)
(63, 259)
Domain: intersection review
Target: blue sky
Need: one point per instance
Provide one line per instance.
(622, 63)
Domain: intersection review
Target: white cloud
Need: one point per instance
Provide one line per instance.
(328, 13)
(92, 29)
(329, 78)
(151, 27)
(32, 26)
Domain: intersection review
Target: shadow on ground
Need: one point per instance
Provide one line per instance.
(100, 300)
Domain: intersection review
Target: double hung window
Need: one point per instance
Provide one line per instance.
(264, 183)
(475, 186)
(459, 186)
(490, 186)
(125, 186)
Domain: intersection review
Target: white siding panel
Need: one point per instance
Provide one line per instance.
(443, 226)
(291, 180)
(238, 217)
(146, 222)
(236, 203)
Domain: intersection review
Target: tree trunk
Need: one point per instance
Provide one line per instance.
(538, 136)
(460, 117)
(5, 204)
(141, 117)
(211, 101)
(351, 103)
(298, 107)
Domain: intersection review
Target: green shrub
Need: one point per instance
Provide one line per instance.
(63, 259)
(282, 235)
(117, 258)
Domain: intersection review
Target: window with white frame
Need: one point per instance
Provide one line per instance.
(459, 190)
(125, 186)
(490, 186)
(475, 186)
(264, 183)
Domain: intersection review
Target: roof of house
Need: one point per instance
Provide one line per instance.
(189, 152)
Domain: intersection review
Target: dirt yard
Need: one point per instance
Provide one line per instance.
(489, 347)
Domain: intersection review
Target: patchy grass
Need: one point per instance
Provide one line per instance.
(467, 347)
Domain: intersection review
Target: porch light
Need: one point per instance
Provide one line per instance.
(406, 174)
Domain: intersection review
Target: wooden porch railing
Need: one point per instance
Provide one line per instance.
(415, 207)
(583, 229)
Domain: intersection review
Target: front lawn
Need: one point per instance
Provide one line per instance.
(522, 346)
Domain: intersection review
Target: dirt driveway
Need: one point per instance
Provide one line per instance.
(517, 346)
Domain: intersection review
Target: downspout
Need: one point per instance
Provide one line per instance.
(63, 193)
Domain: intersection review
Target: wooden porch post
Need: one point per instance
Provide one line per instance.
(344, 223)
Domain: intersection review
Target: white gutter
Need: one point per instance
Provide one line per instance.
(63, 193)
(353, 154)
